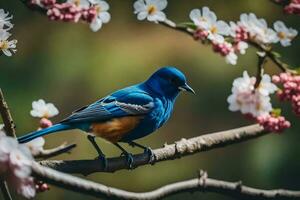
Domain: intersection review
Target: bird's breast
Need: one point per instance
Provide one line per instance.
(115, 129)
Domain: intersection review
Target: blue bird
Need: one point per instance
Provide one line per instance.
(127, 114)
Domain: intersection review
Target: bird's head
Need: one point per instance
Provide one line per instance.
(168, 81)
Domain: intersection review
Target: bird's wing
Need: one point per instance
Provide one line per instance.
(134, 103)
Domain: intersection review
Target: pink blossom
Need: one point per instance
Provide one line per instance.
(64, 12)
(238, 32)
(293, 7)
(200, 34)
(290, 89)
(226, 49)
(48, 2)
(40, 186)
(273, 123)
(89, 14)
(45, 123)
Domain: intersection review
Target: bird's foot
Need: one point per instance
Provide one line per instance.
(151, 155)
(147, 150)
(103, 160)
(129, 159)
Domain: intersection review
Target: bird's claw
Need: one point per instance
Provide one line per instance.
(103, 160)
(150, 153)
(129, 159)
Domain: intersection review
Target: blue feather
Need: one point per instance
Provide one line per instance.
(57, 127)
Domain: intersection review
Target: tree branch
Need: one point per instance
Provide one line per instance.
(180, 148)
(48, 153)
(9, 128)
(203, 184)
(9, 125)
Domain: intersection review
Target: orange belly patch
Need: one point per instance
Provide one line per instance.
(115, 129)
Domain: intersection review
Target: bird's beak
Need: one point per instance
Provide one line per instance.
(187, 88)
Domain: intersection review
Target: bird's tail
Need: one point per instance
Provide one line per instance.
(55, 128)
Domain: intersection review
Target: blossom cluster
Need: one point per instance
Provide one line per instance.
(94, 12)
(273, 123)
(290, 89)
(7, 46)
(231, 39)
(255, 101)
(290, 6)
(227, 39)
(249, 99)
(293, 7)
(15, 165)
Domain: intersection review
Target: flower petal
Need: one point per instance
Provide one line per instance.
(104, 16)
(96, 24)
(142, 15)
(139, 6)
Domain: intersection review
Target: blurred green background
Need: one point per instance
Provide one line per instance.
(69, 65)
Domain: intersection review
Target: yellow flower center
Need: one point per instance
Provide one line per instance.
(151, 9)
(4, 44)
(77, 2)
(213, 29)
(281, 35)
(258, 106)
(98, 9)
(203, 19)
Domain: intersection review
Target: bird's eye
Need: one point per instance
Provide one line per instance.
(173, 80)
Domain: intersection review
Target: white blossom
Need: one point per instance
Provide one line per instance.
(266, 87)
(6, 144)
(201, 18)
(258, 29)
(6, 46)
(26, 187)
(207, 21)
(42, 109)
(5, 20)
(36, 146)
(233, 28)
(103, 16)
(150, 10)
(284, 34)
(250, 100)
(15, 165)
(19, 160)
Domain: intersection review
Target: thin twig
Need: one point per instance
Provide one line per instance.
(9, 128)
(169, 24)
(202, 184)
(48, 153)
(260, 67)
(5, 190)
(272, 56)
(181, 148)
(9, 125)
